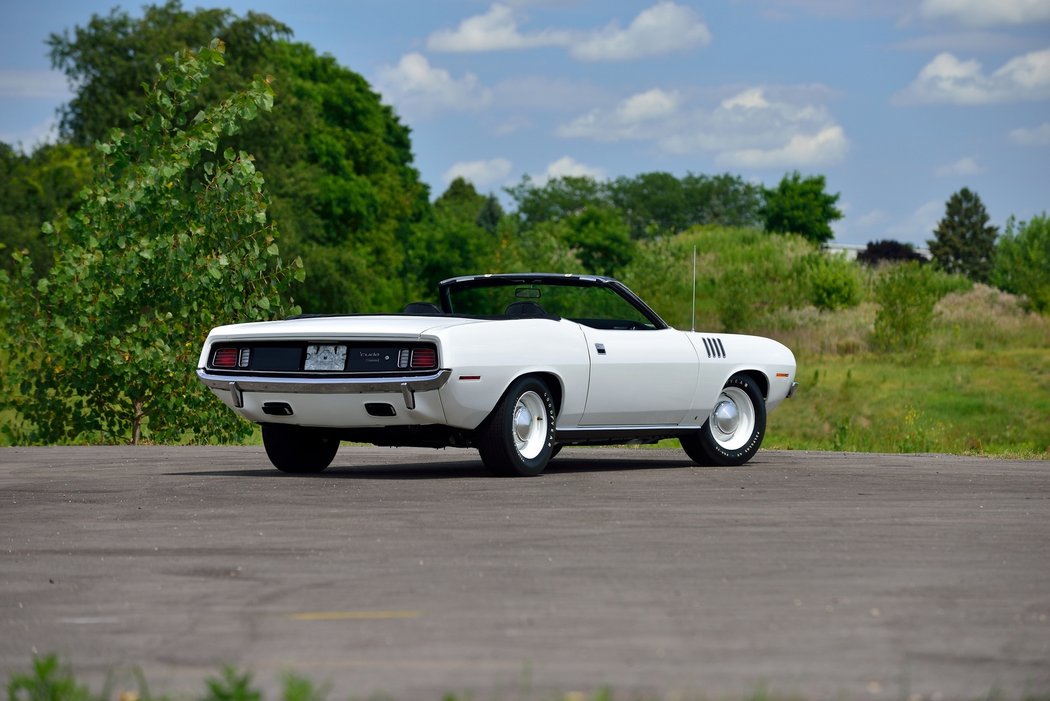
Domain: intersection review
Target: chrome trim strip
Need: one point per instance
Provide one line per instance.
(238, 384)
(652, 428)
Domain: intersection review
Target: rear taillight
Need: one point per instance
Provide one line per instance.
(424, 359)
(231, 358)
(225, 358)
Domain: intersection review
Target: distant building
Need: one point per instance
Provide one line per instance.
(850, 250)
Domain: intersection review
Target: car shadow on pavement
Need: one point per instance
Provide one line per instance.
(467, 469)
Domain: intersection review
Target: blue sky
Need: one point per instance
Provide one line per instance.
(899, 103)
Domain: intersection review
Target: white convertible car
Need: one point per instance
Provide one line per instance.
(516, 366)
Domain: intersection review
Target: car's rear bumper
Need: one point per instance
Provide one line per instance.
(237, 385)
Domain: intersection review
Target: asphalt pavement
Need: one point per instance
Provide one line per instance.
(412, 573)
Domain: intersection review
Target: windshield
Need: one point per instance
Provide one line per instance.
(592, 305)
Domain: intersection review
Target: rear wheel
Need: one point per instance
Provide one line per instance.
(733, 432)
(299, 449)
(518, 438)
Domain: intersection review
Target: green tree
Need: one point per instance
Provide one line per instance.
(801, 206)
(339, 163)
(1022, 261)
(541, 248)
(652, 204)
(556, 199)
(171, 239)
(490, 214)
(35, 188)
(452, 241)
(600, 239)
(964, 241)
(108, 60)
(725, 200)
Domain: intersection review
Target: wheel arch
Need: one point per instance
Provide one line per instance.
(759, 378)
(550, 379)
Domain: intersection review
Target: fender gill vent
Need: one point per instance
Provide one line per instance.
(714, 347)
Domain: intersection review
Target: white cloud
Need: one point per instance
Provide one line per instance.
(1038, 136)
(420, 89)
(823, 148)
(640, 116)
(749, 99)
(947, 79)
(986, 13)
(664, 28)
(919, 226)
(661, 29)
(961, 167)
(42, 84)
(755, 128)
(496, 30)
(482, 174)
(648, 105)
(566, 166)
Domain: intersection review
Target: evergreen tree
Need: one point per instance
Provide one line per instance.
(964, 241)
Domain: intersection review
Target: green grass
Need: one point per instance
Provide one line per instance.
(965, 402)
(980, 385)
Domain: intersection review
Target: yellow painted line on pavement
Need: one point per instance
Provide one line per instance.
(353, 615)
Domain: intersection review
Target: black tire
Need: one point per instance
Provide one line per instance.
(734, 431)
(300, 450)
(517, 439)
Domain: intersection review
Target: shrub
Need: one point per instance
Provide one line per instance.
(829, 282)
(906, 295)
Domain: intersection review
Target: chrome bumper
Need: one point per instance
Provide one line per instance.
(406, 386)
(791, 392)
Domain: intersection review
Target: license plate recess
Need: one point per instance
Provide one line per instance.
(325, 357)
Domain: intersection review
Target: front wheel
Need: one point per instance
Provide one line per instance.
(299, 449)
(733, 432)
(518, 438)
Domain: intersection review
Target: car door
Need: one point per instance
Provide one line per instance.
(639, 377)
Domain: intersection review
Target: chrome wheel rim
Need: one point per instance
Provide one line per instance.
(733, 419)
(529, 425)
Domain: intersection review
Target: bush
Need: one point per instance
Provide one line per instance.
(830, 282)
(906, 295)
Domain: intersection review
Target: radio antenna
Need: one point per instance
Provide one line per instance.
(694, 290)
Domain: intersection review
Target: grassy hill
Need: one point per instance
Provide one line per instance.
(978, 383)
